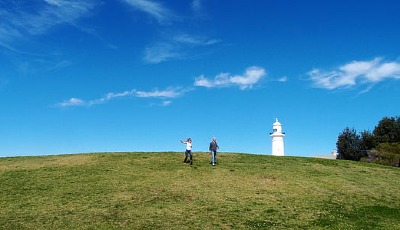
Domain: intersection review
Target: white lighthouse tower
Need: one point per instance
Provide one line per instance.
(277, 139)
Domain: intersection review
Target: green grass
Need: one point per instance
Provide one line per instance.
(158, 191)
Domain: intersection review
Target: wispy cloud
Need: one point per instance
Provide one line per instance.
(162, 51)
(155, 9)
(18, 24)
(251, 77)
(194, 40)
(171, 46)
(165, 95)
(176, 47)
(171, 92)
(356, 72)
(283, 79)
(71, 102)
(198, 9)
(166, 103)
(196, 5)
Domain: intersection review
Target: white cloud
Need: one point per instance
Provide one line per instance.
(356, 72)
(72, 102)
(251, 77)
(161, 94)
(154, 9)
(108, 97)
(167, 93)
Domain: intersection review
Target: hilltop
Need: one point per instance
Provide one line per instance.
(156, 190)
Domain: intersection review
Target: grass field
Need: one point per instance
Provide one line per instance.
(158, 191)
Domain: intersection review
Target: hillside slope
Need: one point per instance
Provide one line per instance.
(156, 190)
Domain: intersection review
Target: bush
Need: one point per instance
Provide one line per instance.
(385, 154)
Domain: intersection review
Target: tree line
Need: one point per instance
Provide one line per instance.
(381, 146)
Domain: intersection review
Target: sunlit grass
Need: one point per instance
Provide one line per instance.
(156, 190)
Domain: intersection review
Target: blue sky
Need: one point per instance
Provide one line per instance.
(139, 75)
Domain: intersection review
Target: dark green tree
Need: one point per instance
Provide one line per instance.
(349, 145)
(387, 130)
(368, 141)
(397, 129)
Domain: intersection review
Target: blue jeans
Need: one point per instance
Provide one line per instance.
(188, 153)
(213, 156)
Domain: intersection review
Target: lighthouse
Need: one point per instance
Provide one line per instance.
(277, 139)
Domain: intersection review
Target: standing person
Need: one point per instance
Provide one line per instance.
(213, 150)
(188, 152)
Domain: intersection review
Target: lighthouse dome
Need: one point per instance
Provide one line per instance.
(276, 123)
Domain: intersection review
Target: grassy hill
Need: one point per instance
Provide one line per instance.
(156, 190)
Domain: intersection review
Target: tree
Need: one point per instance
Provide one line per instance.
(382, 146)
(387, 130)
(397, 129)
(349, 145)
(368, 141)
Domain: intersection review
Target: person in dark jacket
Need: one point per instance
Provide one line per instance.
(213, 151)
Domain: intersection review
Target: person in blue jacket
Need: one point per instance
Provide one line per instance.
(213, 151)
